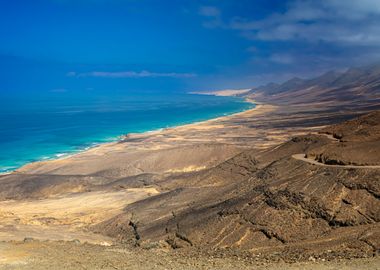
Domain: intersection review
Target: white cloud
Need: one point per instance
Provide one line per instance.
(335, 21)
(354, 9)
(131, 74)
(209, 11)
(282, 58)
(71, 74)
(308, 37)
(58, 90)
(213, 15)
(252, 49)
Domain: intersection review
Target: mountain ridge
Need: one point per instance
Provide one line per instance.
(353, 85)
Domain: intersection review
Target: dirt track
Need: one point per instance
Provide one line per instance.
(315, 162)
(198, 203)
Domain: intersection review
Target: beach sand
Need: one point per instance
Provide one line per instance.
(182, 149)
(260, 127)
(224, 93)
(60, 199)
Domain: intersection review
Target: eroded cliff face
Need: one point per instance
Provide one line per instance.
(268, 201)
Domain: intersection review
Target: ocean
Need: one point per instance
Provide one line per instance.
(48, 128)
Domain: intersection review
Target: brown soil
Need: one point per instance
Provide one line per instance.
(72, 256)
(217, 195)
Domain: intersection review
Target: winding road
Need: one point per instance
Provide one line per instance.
(314, 162)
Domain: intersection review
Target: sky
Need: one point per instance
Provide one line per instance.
(84, 46)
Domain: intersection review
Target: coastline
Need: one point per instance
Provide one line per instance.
(103, 147)
(223, 93)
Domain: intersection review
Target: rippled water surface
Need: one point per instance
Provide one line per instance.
(49, 128)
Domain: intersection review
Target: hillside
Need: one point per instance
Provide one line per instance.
(356, 86)
(265, 201)
(295, 180)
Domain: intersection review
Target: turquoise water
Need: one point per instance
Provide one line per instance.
(49, 128)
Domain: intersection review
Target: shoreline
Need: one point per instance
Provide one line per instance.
(204, 121)
(223, 93)
(121, 138)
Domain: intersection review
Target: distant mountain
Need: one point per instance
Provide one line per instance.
(355, 84)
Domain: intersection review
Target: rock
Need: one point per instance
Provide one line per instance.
(28, 239)
(76, 241)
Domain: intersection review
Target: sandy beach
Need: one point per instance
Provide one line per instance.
(223, 93)
(184, 135)
(263, 126)
(115, 189)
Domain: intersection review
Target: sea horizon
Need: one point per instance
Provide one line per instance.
(36, 142)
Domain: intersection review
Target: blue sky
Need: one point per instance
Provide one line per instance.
(60, 46)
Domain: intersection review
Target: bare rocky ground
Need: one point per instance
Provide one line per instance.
(34, 255)
(260, 209)
(262, 202)
(224, 194)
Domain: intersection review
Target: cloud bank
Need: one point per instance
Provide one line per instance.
(356, 22)
(130, 74)
(304, 38)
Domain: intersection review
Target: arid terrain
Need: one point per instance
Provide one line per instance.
(291, 184)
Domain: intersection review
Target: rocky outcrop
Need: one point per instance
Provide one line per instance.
(357, 142)
(265, 201)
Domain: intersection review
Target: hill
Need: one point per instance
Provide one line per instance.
(266, 202)
(359, 85)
